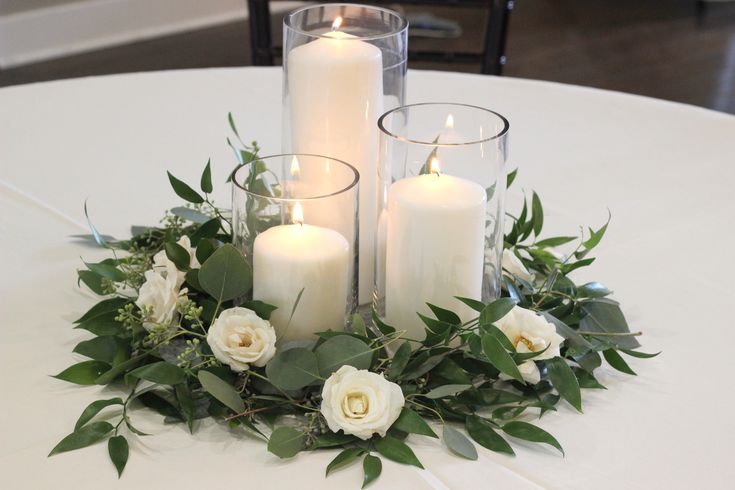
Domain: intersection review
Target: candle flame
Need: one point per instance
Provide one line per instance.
(297, 214)
(434, 166)
(295, 167)
(450, 122)
(337, 22)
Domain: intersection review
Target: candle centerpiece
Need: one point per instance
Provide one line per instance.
(302, 262)
(344, 65)
(440, 227)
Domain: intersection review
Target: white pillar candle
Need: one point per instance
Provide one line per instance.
(434, 248)
(289, 258)
(335, 87)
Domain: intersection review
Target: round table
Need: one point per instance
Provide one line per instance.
(665, 171)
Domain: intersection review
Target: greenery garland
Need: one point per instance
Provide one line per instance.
(483, 375)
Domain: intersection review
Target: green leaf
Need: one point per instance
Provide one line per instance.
(411, 422)
(478, 306)
(184, 191)
(93, 409)
(86, 436)
(293, 369)
(226, 275)
(458, 443)
(532, 433)
(105, 306)
(396, 450)
(596, 236)
(221, 391)
(107, 271)
(178, 255)
(102, 325)
(262, 309)
(205, 248)
(383, 327)
(639, 355)
(208, 229)
(160, 372)
(331, 439)
(344, 458)
(554, 241)
(446, 390)
(589, 361)
(575, 343)
(605, 316)
(400, 360)
(587, 380)
(358, 325)
(186, 404)
(567, 268)
(93, 281)
(206, 180)
(537, 214)
(452, 372)
(483, 433)
(496, 310)
(104, 349)
(593, 290)
(117, 447)
(510, 178)
(563, 379)
(342, 350)
(190, 214)
(615, 360)
(83, 373)
(286, 442)
(445, 315)
(490, 329)
(371, 467)
(118, 369)
(499, 357)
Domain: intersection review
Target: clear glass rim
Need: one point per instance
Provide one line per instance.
(498, 135)
(288, 21)
(355, 179)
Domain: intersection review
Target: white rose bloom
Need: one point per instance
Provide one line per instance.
(239, 338)
(530, 332)
(529, 371)
(360, 403)
(160, 297)
(514, 266)
(163, 265)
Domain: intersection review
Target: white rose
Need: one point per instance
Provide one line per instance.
(239, 338)
(159, 297)
(360, 403)
(514, 266)
(530, 332)
(164, 266)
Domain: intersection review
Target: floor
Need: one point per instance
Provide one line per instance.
(658, 48)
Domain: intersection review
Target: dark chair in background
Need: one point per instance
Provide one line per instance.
(491, 58)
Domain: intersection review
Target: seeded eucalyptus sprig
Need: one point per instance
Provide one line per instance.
(461, 383)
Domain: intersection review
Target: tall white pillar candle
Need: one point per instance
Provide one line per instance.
(335, 86)
(289, 258)
(434, 248)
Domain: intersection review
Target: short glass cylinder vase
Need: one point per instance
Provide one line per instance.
(440, 222)
(294, 218)
(344, 65)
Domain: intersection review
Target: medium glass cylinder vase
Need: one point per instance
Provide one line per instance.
(344, 65)
(298, 235)
(440, 224)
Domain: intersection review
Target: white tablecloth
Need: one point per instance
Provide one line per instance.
(666, 172)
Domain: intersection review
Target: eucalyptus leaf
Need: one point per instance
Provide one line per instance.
(221, 391)
(293, 369)
(286, 442)
(226, 275)
(483, 433)
(458, 443)
(371, 467)
(117, 447)
(397, 451)
(344, 458)
(340, 351)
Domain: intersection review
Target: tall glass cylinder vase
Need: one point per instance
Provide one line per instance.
(344, 65)
(299, 239)
(440, 225)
